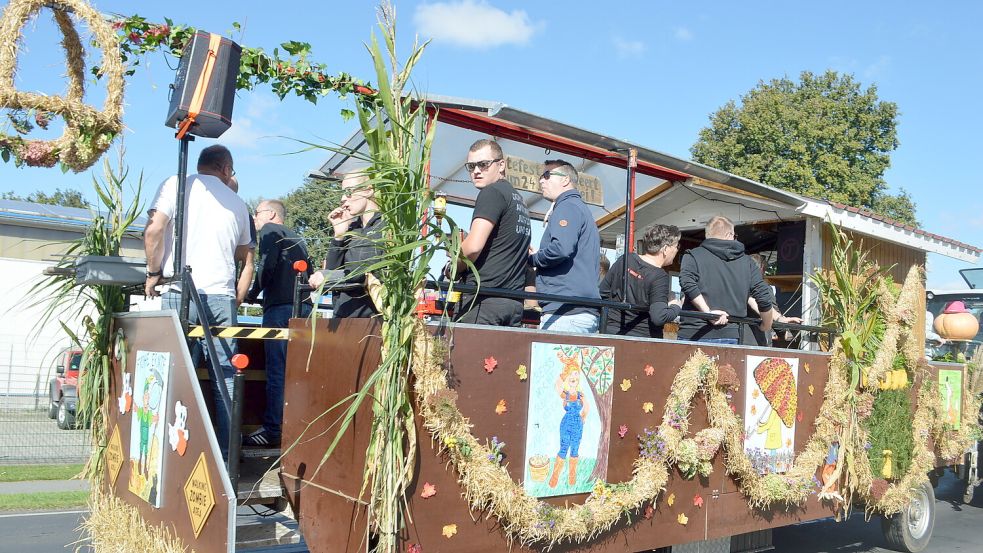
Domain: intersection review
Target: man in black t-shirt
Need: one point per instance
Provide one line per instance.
(499, 239)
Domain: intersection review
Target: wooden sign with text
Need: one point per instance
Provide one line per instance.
(524, 175)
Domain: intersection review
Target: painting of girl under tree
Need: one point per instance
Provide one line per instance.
(569, 423)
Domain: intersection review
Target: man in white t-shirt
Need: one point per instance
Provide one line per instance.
(217, 236)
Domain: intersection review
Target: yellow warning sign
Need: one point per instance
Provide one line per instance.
(114, 456)
(198, 495)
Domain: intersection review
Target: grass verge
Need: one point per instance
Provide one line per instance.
(42, 501)
(22, 473)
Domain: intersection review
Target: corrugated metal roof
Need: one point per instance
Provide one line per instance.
(502, 112)
(30, 212)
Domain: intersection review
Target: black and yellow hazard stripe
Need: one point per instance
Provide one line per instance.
(241, 332)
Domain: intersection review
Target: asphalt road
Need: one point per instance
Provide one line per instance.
(957, 529)
(39, 532)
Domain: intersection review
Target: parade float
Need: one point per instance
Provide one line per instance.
(411, 433)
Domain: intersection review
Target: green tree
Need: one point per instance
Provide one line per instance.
(307, 213)
(66, 198)
(822, 137)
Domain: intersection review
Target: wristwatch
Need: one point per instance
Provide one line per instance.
(156, 273)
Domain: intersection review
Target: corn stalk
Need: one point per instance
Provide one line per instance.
(64, 300)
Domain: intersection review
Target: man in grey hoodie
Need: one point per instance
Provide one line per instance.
(718, 277)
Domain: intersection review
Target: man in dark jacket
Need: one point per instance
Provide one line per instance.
(279, 249)
(717, 277)
(355, 246)
(569, 253)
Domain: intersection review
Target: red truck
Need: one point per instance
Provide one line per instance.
(63, 390)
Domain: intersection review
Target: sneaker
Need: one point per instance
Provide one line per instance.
(261, 438)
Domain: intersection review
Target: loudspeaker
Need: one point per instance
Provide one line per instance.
(205, 85)
(791, 247)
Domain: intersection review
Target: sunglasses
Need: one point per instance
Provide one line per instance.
(481, 165)
(547, 174)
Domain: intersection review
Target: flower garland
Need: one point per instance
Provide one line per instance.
(88, 132)
(488, 486)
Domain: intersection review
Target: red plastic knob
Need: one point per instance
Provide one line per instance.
(300, 266)
(240, 361)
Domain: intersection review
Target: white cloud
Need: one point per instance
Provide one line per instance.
(628, 48)
(252, 123)
(878, 68)
(682, 33)
(473, 24)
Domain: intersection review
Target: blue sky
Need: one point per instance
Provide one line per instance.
(649, 72)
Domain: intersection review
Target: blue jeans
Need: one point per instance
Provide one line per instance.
(220, 310)
(718, 340)
(580, 323)
(276, 316)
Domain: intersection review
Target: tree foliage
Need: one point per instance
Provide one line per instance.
(307, 213)
(66, 198)
(822, 137)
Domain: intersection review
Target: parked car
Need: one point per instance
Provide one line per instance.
(63, 390)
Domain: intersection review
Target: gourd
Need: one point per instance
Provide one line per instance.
(957, 323)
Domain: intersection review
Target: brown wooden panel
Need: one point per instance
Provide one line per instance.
(345, 351)
(160, 332)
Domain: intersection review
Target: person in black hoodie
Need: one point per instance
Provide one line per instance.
(718, 277)
(355, 246)
(648, 285)
(279, 249)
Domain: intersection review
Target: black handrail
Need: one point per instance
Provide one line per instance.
(608, 304)
(604, 305)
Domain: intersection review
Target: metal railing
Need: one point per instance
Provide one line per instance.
(603, 306)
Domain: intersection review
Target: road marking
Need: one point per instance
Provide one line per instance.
(15, 515)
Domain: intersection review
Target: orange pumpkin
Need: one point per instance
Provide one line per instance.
(957, 326)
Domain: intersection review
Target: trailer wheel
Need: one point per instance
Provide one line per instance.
(911, 529)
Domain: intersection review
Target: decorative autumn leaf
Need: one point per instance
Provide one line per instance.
(807, 367)
(788, 442)
(625, 385)
(798, 416)
(649, 370)
(812, 389)
(682, 519)
(649, 512)
(429, 490)
(733, 408)
(522, 372)
(698, 501)
(755, 394)
(449, 530)
(415, 548)
(648, 407)
(501, 407)
(671, 499)
(622, 430)
(490, 364)
(754, 410)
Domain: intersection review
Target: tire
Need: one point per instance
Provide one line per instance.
(52, 410)
(66, 419)
(911, 529)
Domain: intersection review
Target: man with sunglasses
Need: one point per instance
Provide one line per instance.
(569, 253)
(498, 241)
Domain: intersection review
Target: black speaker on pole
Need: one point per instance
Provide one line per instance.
(204, 89)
